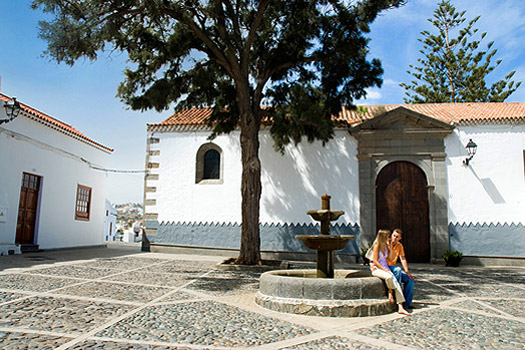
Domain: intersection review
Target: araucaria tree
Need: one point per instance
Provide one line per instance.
(454, 68)
(305, 59)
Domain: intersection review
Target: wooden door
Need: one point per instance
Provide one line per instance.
(27, 209)
(402, 202)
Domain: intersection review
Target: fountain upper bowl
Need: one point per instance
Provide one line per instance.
(324, 214)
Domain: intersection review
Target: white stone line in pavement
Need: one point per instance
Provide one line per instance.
(52, 294)
(203, 295)
(293, 341)
(154, 343)
(17, 291)
(100, 279)
(176, 302)
(80, 279)
(135, 284)
(500, 314)
(453, 291)
(128, 271)
(340, 332)
(98, 300)
(68, 296)
(44, 266)
(499, 298)
(374, 341)
(111, 322)
(39, 332)
(45, 293)
(498, 281)
(504, 316)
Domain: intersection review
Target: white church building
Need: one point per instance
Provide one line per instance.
(51, 195)
(393, 166)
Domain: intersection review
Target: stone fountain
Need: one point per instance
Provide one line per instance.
(324, 291)
(325, 244)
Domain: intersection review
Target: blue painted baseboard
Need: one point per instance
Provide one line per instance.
(488, 239)
(274, 237)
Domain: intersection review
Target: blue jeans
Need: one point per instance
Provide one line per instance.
(406, 282)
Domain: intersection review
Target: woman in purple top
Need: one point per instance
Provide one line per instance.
(380, 269)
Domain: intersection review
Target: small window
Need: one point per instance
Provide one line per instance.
(208, 164)
(212, 162)
(83, 203)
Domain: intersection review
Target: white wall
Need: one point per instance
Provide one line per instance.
(43, 151)
(492, 188)
(292, 183)
(110, 221)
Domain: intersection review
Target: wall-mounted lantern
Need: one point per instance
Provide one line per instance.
(471, 151)
(11, 111)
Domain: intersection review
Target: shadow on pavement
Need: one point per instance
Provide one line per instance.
(25, 260)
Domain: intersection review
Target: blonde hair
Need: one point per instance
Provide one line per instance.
(381, 238)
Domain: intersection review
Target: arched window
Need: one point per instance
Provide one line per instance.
(208, 164)
(212, 162)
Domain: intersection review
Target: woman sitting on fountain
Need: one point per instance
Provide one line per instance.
(380, 269)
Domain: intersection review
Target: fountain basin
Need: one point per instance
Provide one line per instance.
(325, 242)
(325, 214)
(351, 293)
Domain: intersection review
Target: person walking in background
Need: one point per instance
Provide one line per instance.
(405, 278)
(380, 269)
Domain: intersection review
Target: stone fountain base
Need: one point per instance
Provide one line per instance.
(351, 293)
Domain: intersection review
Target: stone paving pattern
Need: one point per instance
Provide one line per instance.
(162, 301)
(335, 342)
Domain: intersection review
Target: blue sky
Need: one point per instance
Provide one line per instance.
(84, 95)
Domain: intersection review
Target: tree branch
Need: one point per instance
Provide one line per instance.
(201, 34)
(245, 55)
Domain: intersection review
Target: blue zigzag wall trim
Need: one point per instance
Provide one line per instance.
(274, 237)
(488, 239)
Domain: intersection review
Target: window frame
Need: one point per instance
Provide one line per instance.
(80, 214)
(199, 164)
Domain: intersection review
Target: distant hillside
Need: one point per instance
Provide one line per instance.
(128, 213)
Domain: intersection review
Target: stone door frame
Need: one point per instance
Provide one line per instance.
(404, 135)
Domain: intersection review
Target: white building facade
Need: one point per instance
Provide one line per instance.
(50, 194)
(396, 166)
(110, 222)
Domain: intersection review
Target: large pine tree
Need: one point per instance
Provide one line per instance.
(304, 58)
(454, 68)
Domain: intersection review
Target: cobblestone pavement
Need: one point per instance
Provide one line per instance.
(173, 301)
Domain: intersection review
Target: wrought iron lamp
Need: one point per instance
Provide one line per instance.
(11, 111)
(471, 151)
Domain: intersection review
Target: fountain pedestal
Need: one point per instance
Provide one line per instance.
(325, 247)
(325, 244)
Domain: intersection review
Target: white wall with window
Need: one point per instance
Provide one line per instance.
(37, 145)
(292, 183)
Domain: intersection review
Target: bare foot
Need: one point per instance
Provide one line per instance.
(390, 296)
(403, 312)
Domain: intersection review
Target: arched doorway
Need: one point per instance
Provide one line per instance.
(402, 202)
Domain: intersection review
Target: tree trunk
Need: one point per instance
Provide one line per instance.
(250, 253)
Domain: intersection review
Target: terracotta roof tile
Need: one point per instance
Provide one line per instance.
(453, 113)
(53, 122)
(189, 116)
